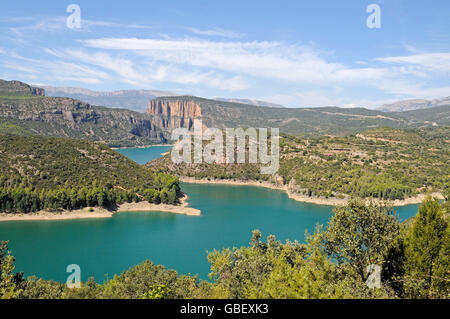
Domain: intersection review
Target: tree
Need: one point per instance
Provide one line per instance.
(424, 247)
(305, 276)
(235, 270)
(359, 234)
(156, 292)
(8, 280)
(441, 274)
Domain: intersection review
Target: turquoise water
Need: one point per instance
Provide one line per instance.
(143, 155)
(109, 246)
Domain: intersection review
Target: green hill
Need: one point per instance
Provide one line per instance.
(50, 173)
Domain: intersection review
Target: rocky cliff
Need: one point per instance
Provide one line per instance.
(173, 113)
(177, 108)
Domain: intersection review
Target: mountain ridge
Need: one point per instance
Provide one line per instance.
(414, 104)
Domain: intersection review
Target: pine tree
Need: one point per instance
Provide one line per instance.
(423, 249)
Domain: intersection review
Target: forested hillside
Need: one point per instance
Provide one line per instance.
(381, 163)
(52, 173)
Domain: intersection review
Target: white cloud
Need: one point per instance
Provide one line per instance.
(51, 70)
(272, 60)
(428, 61)
(147, 72)
(218, 32)
(53, 24)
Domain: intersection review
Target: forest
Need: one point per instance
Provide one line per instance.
(413, 260)
(48, 173)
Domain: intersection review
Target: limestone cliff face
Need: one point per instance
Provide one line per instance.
(174, 108)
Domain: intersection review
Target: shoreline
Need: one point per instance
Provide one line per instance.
(303, 198)
(142, 146)
(101, 212)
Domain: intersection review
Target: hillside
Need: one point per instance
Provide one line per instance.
(380, 163)
(24, 112)
(47, 172)
(299, 121)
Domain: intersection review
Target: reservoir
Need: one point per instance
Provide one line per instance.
(107, 246)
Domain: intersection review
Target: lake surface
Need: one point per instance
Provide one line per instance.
(111, 245)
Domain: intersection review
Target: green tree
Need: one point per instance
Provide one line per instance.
(359, 234)
(423, 250)
(9, 281)
(156, 292)
(306, 276)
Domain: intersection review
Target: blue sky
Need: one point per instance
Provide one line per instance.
(295, 53)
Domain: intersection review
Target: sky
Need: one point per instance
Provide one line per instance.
(294, 53)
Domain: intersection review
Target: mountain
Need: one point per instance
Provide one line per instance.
(250, 102)
(409, 105)
(295, 121)
(135, 100)
(24, 112)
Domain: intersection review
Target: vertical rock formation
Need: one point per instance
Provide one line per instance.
(169, 108)
(173, 113)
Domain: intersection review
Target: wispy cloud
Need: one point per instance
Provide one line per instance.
(52, 24)
(51, 70)
(148, 72)
(216, 32)
(229, 65)
(425, 61)
(262, 59)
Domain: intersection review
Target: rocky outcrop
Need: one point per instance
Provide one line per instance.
(37, 91)
(17, 88)
(169, 114)
(65, 117)
(177, 108)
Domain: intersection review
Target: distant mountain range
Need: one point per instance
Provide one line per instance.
(250, 102)
(135, 100)
(417, 104)
(26, 110)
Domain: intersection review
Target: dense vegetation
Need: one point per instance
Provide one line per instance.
(413, 260)
(55, 173)
(380, 163)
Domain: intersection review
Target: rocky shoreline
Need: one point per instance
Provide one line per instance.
(300, 197)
